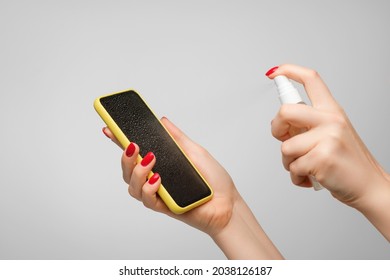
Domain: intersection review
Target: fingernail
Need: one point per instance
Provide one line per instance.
(105, 133)
(270, 71)
(154, 178)
(147, 159)
(130, 150)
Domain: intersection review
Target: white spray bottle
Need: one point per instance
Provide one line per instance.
(288, 94)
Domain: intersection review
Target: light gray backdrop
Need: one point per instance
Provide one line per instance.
(201, 64)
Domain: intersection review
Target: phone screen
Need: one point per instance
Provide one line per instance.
(140, 125)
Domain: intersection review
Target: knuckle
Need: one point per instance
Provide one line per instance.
(146, 204)
(274, 131)
(339, 121)
(126, 176)
(139, 173)
(132, 192)
(201, 151)
(286, 163)
(312, 74)
(199, 154)
(286, 149)
(326, 158)
(334, 143)
(284, 111)
(295, 179)
(323, 155)
(293, 168)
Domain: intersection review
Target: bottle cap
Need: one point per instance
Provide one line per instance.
(288, 94)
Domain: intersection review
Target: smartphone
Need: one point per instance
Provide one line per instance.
(129, 118)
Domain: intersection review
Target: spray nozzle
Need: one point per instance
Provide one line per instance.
(288, 94)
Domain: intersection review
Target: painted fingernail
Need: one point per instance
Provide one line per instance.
(130, 150)
(270, 71)
(154, 178)
(105, 132)
(147, 159)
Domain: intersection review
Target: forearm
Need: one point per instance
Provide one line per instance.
(243, 237)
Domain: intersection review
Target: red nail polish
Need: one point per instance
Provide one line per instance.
(105, 133)
(147, 159)
(154, 178)
(270, 71)
(130, 150)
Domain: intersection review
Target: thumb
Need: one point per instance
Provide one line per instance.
(317, 91)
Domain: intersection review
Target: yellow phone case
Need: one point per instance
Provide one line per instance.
(124, 141)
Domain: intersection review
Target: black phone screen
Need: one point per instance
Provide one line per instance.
(140, 125)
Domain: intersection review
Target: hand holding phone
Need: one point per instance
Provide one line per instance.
(130, 119)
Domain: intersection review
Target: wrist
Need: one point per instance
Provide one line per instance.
(243, 237)
(375, 206)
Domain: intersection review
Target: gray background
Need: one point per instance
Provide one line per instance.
(201, 64)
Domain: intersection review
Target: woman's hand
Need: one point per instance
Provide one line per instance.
(226, 217)
(330, 149)
(210, 217)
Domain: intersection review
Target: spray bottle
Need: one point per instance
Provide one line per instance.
(288, 94)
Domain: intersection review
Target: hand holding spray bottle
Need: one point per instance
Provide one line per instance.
(288, 94)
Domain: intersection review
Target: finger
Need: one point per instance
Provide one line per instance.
(183, 140)
(294, 115)
(140, 174)
(129, 160)
(298, 146)
(302, 181)
(318, 92)
(200, 157)
(149, 194)
(301, 169)
(110, 135)
(193, 150)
